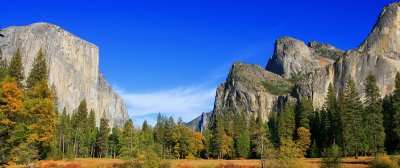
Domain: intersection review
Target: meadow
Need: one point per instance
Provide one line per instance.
(351, 162)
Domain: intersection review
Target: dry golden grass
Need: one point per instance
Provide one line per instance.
(351, 162)
(82, 162)
(361, 162)
(201, 163)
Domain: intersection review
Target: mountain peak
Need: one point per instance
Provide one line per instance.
(385, 36)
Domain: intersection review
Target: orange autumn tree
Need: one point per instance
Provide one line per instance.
(11, 114)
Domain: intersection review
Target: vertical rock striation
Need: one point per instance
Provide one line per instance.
(73, 68)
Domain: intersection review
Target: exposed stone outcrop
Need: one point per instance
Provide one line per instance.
(73, 67)
(311, 68)
(245, 91)
(293, 57)
(200, 123)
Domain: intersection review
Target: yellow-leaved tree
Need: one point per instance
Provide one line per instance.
(11, 113)
(195, 145)
(40, 105)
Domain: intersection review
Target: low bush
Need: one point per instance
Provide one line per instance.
(383, 161)
(165, 164)
(331, 157)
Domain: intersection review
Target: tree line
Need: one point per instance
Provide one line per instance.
(32, 128)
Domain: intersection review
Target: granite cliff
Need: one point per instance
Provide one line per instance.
(73, 68)
(298, 70)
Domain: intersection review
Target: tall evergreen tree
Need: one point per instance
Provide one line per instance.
(243, 144)
(218, 133)
(391, 139)
(38, 71)
(286, 122)
(331, 107)
(127, 133)
(15, 69)
(114, 140)
(304, 110)
(104, 130)
(373, 115)
(40, 104)
(396, 106)
(92, 133)
(146, 136)
(63, 132)
(159, 133)
(80, 125)
(352, 119)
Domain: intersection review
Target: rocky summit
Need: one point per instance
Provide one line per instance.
(73, 68)
(298, 70)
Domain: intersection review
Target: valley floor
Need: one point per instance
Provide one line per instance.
(361, 162)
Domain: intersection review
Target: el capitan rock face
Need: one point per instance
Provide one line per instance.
(314, 67)
(73, 67)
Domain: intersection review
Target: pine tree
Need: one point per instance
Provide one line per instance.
(104, 130)
(39, 70)
(169, 129)
(114, 140)
(396, 106)
(352, 119)
(273, 127)
(325, 128)
(391, 139)
(80, 122)
(331, 107)
(159, 133)
(255, 128)
(373, 115)
(243, 144)
(39, 104)
(286, 122)
(92, 133)
(127, 133)
(63, 132)
(15, 69)
(218, 133)
(146, 137)
(304, 110)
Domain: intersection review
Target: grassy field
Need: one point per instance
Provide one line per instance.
(361, 162)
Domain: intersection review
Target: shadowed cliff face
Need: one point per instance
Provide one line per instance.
(311, 68)
(73, 66)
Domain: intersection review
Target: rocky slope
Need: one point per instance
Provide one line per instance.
(200, 123)
(73, 66)
(309, 69)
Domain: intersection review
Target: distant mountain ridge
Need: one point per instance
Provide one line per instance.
(73, 68)
(297, 70)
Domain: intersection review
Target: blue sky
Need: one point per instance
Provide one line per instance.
(169, 56)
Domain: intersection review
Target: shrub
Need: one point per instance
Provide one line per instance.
(165, 164)
(278, 88)
(332, 157)
(383, 161)
(148, 159)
